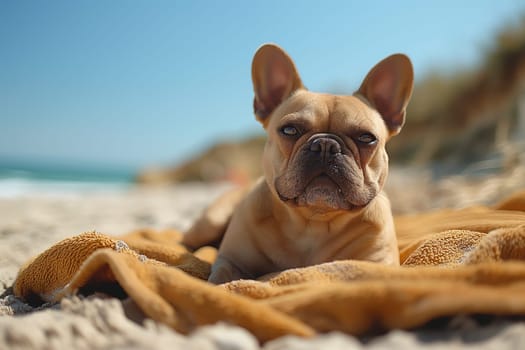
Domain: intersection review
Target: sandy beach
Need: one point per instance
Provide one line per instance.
(31, 223)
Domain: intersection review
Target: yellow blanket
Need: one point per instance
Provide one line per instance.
(468, 261)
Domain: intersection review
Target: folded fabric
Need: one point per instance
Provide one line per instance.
(468, 261)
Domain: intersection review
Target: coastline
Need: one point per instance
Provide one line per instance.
(32, 222)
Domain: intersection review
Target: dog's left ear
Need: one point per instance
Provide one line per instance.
(274, 78)
(388, 87)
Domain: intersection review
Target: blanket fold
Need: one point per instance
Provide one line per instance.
(469, 261)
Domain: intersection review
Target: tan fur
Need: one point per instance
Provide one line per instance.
(321, 195)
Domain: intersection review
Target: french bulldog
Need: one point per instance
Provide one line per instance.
(321, 196)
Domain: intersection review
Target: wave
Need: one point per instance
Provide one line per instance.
(25, 177)
(17, 187)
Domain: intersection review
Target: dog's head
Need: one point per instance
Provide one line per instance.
(327, 152)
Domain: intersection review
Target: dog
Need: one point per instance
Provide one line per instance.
(321, 196)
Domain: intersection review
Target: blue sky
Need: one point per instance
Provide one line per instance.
(140, 83)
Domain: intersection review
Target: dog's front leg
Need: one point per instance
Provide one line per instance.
(223, 270)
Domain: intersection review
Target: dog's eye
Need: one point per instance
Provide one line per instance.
(289, 130)
(367, 138)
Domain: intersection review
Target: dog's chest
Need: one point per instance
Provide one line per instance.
(302, 247)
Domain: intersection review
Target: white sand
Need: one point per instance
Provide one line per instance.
(29, 225)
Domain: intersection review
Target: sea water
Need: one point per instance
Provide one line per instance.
(22, 178)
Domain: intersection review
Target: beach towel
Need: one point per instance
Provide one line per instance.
(454, 262)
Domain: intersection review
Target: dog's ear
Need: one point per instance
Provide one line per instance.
(388, 87)
(274, 78)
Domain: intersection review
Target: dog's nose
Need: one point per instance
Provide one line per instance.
(325, 145)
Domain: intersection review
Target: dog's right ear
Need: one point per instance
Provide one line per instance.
(274, 78)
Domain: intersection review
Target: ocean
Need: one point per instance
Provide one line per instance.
(21, 178)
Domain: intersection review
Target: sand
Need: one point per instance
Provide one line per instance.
(30, 224)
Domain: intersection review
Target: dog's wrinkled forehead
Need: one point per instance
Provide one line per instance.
(328, 113)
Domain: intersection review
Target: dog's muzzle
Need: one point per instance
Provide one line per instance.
(325, 145)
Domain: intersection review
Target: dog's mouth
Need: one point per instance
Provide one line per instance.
(321, 193)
